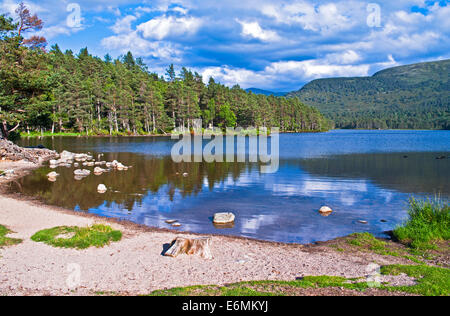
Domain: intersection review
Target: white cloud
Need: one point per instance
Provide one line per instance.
(254, 30)
(169, 26)
(313, 69)
(277, 74)
(326, 18)
(141, 47)
(123, 25)
(344, 58)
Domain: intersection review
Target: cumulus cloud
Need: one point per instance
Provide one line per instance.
(168, 26)
(277, 45)
(141, 47)
(283, 74)
(123, 25)
(323, 18)
(254, 30)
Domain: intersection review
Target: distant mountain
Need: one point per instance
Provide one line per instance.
(265, 92)
(407, 97)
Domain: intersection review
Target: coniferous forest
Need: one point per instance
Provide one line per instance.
(50, 91)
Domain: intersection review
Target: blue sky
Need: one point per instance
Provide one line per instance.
(274, 45)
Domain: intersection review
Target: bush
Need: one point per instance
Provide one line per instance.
(429, 221)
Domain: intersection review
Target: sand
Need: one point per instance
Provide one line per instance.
(135, 265)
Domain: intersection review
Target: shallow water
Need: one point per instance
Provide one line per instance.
(362, 175)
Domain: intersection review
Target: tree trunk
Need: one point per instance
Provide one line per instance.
(4, 130)
(197, 246)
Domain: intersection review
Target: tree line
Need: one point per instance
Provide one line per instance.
(61, 92)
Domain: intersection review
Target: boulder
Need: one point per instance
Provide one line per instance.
(53, 175)
(82, 172)
(102, 188)
(54, 162)
(98, 171)
(224, 218)
(67, 156)
(325, 210)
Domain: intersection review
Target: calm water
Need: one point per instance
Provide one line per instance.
(362, 175)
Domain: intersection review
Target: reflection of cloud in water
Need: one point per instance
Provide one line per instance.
(253, 224)
(314, 187)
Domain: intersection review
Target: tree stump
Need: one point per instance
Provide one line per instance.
(197, 246)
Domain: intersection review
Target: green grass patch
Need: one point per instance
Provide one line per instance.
(431, 281)
(263, 288)
(369, 242)
(429, 222)
(78, 237)
(5, 241)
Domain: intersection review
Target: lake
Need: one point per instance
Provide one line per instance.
(362, 175)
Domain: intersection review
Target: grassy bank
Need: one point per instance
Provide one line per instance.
(428, 224)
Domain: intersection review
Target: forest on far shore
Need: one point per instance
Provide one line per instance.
(50, 91)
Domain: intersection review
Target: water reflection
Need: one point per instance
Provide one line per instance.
(279, 207)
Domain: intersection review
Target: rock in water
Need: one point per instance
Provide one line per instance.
(98, 171)
(82, 172)
(102, 188)
(224, 218)
(197, 246)
(325, 210)
(53, 175)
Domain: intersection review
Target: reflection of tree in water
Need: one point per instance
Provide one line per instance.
(409, 173)
(128, 187)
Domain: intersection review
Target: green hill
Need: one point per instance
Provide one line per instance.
(265, 92)
(407, 97)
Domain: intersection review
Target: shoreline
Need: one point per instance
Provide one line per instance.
(136, 265)
(37, 268)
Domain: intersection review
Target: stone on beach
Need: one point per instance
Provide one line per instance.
(66, 156)
(102, 188)
(224, 218)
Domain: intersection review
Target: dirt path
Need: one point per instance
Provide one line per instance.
(135, 265)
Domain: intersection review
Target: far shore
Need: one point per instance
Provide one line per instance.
(136, 264)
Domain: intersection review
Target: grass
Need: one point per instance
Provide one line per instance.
(78, 237)
(431, 281)
(429, 222)
(263, 288)
(367, 242)
(5, 241)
